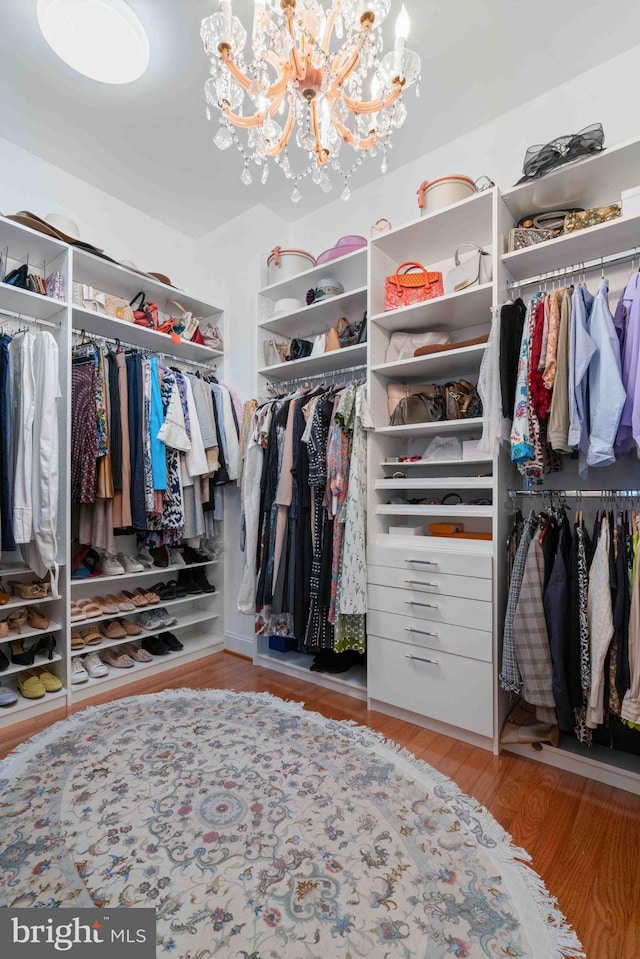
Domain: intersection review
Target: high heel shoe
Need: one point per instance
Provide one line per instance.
(17, 619)
(45, 644)
(21, 656)
(4, 662)
(36, 618)
(32, 590)
(4, 629)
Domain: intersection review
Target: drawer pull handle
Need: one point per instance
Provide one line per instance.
(419, 659)
(410, 602)
(422, 562)
(417, 582)
(420, 632)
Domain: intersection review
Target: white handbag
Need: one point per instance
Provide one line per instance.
(402, 346)
(319, 345)
(478, 269)
(87, 298)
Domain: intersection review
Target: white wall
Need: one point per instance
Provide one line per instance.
(496, 149)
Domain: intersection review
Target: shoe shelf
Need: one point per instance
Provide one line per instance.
(17, 603)
(441, 482)
(353, 682)
(28, 633)
(202, 617)
(195, 645)
(33, 706)
(397, 465)
(158, 571)
(42, 662)
(131, 613)
(460, 510)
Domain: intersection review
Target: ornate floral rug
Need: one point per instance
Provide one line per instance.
(260, 831)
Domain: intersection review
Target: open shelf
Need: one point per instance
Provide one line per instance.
(442, 482)
(449, 363)
(28, 303)
(455, 311)
(27, 633)
(459, 462)
(128, 614)
(49, 701)
(158, 571)
(23, 240)
(17, 603)
(460, 510)
(350, 270)
(352, 683)
(318, 317)
(427, 429)
(109, 326)
(39, 661)
(194, 619)
(331, 362)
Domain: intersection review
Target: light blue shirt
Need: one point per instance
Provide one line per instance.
(606, 389)
(581, 349)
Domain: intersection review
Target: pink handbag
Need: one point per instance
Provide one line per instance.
(405, 289)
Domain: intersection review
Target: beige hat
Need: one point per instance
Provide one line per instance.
(54, 224)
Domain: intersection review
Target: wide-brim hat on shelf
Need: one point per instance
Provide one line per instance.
(345, 245)
(55, 225)
(286, 305)
(327, 288)
(129, 265)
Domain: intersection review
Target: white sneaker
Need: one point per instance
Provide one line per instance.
(94, 666)
(129, 564)
(110, 566)
(78, 672)
(176, 558)
(145, 558)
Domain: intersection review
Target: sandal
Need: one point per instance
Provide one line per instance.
(76, 611)
(123, 604)
(112, 630)
(32, 590)
(17, 619)
(77, 642)
(90, 635)
(89, 608)
(36, 618)
(151, 598)
(137, 600)
(107, 607)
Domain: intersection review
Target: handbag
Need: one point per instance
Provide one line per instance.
(119, 309)
(478, 269)
(18, 277)
(402, 391)
(333, 340)
(420, 408)
(319, 344)
(54, 286)
(146, 313)
(300, 349)
(347, 334)
(362, 329)
(380, 227)
(271, 353)
(462, 401)
(213, 337)
(403, 345)
(187, 324)
(87, 298)
(405, 289)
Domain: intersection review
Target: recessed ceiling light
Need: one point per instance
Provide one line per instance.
(102, 39)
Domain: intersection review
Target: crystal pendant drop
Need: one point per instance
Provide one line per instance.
(384, 166)
(401, 113)
(208, 113)
(326, 185)
(296, 196)
(346, 193)
(246, 177)
(317, 175)
(223, 138)
(265, 173)
(308, 142)
(418, 90)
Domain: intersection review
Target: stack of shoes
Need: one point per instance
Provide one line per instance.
(195, 582)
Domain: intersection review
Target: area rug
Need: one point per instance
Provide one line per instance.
(258, 830)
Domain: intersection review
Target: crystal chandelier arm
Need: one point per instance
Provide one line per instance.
(343, 72)
(328, 33)
(282, 69)
(321, 153)
(359, 107)
(297, 64)
(286, 133)
(258, 118)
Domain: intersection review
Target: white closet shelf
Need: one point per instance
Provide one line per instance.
(33, 706)
(185, 623)
(442, 482)
(331, 362)
(460, 511)
(158, 571)
(28, 303)
(17, 603)
(195, 647)
(427, 429)
(436, 236)
(83, 623)
(22, 240)
(318, 317)
(120, 281)
(350, 270)
(594, 181)
(605, 239)
(40, 661)
(459, 462)
(454, 311)
(29, 633)
(353, 682)
(146, 339)
(449, 363)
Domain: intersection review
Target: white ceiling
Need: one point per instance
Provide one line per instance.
(149, 143)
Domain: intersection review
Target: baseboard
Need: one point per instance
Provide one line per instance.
(233, 643)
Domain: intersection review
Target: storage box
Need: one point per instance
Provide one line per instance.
(406, 531)
(283, 644)
(470, 449)
(631, 201)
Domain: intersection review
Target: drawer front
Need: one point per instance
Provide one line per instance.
(432, 559)
(473, 613)
(440, 637)
(448, 688)
(421, 580)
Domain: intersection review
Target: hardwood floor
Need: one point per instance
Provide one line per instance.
(584, 837)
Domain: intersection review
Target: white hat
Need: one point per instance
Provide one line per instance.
(286, 305)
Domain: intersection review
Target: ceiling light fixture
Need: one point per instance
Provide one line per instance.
(102, 39)
(316, 72)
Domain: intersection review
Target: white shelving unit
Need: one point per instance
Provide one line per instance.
(200, 617)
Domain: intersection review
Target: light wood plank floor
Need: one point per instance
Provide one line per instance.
(584, 837)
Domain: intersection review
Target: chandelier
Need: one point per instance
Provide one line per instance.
(315, 77)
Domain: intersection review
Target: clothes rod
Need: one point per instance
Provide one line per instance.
(22, 318)
(170, 357)
(319, 376)
(577, 494)
(576, 268)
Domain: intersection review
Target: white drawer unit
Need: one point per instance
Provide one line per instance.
(437, 685)
(458, 640)
(432, 558)
(423, 580)
(472, 613)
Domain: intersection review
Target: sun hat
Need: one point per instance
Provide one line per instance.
(286, 305)
(327, 288)
(54, 224)
(345, 245)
